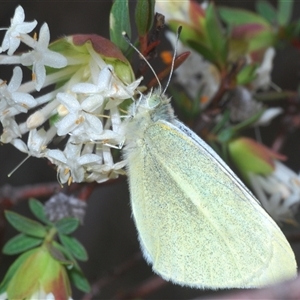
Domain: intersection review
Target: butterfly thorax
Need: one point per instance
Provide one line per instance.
(150, 108)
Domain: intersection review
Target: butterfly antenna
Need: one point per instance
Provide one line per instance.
(126, 37)
(173, 59)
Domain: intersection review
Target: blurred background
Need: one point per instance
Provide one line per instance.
(108, 232)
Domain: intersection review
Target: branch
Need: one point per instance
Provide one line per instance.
(11, 195)
(146, 288)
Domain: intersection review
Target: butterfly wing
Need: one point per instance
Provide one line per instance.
(198, 224)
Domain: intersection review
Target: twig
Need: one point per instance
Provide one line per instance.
(11, 195)
(228, 83)
(146, 288)
(86, 191)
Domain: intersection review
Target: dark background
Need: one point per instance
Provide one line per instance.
(108, 232)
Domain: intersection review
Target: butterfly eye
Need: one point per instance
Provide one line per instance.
(153, 100)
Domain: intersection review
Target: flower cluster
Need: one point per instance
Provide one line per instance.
(279, 192)
(90, 82)
(275, 185)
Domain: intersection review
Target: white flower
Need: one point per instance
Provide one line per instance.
(242, 106)
(120, 92)
(107, 169)
(38, 295)
(14, 33)
(36, 144)
(70, 163)
(196, 75)
(108, 86)
(279, 193)
(268, 115)
(9, 94)
(101, 173)
(3, 296)
(41, 56)
(173, 10)
(78, 120)
(41, 295)
(263, 79)
(11, 130)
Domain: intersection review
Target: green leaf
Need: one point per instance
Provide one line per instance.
(119, 21)
(262, 40)
(188, 110)
(225, 135)
(204, 51)
(274, 96)
(78, 279)
(144, 14)
(188, 32)
(58, 255)
(220, 125)
(247, 156)
(248, 122)
(69, 258)
(12, 270)
(25, 225)
(74, 246)
(266, 10)
(202, 43)
(246, 75)
(67, 225)
(236, 16)
(284, 11)
(20, 243)
(215, 34)
(37, 208)
(237, 48)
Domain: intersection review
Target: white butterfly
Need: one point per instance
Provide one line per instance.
(198, 224)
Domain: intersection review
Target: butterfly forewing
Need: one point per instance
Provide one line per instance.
(198, 225)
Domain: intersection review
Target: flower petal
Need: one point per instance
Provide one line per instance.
(66, 124)
(69, 101)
